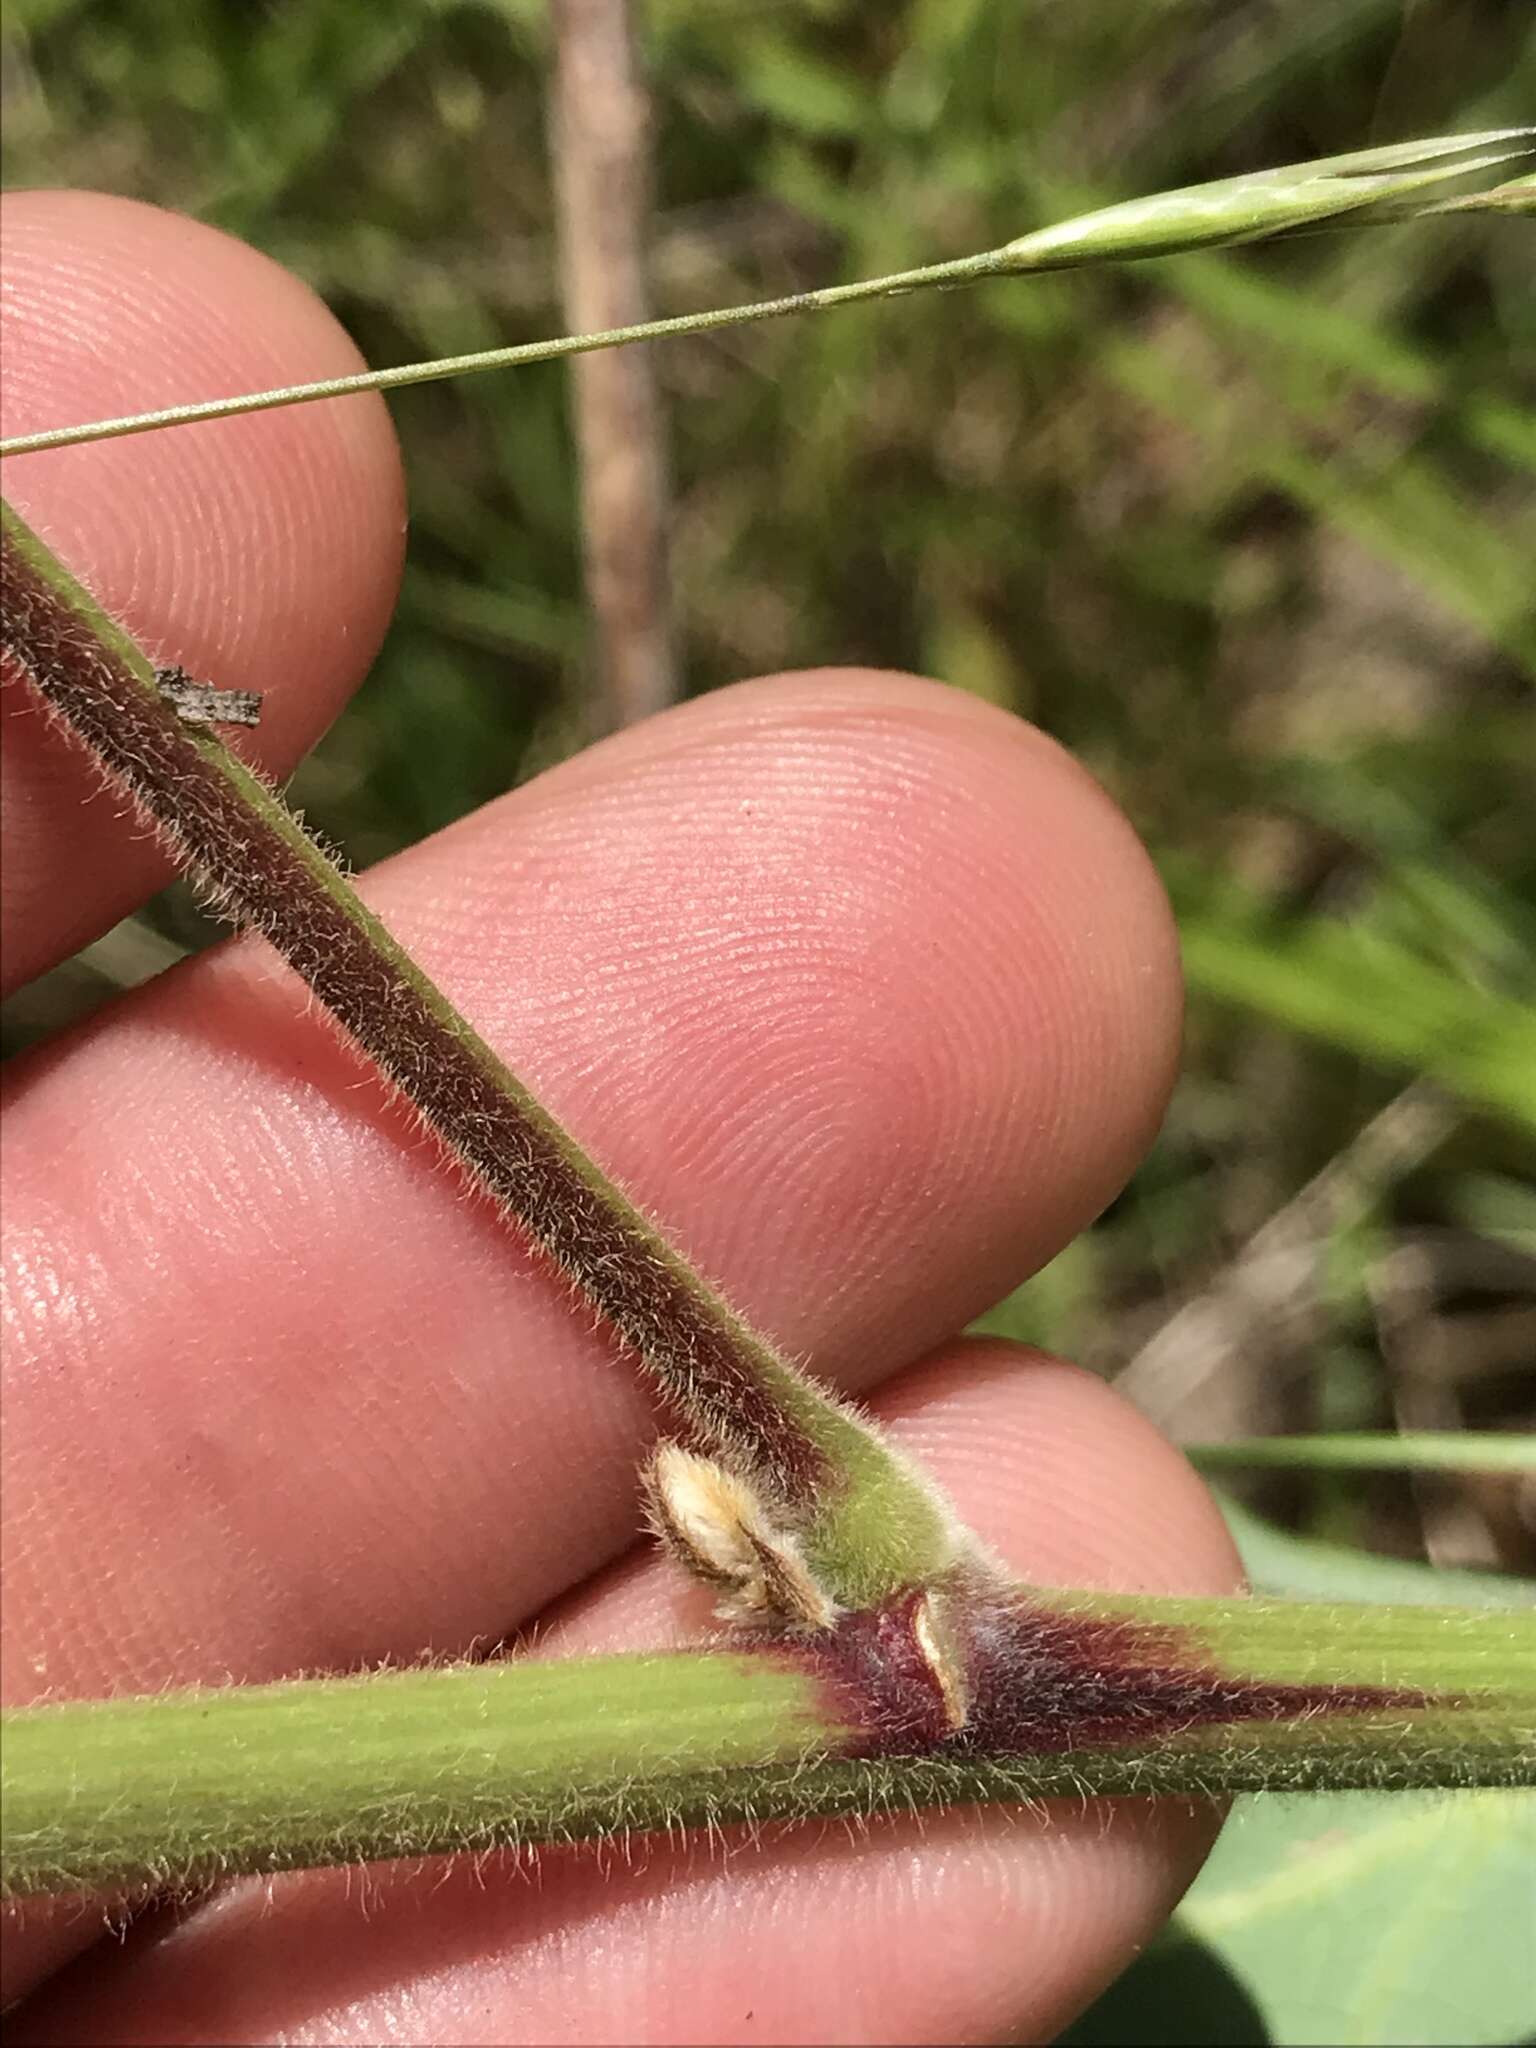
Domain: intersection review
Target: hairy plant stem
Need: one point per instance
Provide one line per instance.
(1367, 185)
(1114, 1696)
(868, 1521)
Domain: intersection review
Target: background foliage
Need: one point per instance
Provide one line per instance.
(1250, 532)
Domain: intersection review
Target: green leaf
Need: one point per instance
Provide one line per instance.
(1303, 1568)
(1357, 988)
(1361, 1919)
(808, 96)
(1497, 1206)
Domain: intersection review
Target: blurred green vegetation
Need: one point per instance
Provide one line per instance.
(1250, 532)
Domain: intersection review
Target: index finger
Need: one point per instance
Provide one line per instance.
(259, 554)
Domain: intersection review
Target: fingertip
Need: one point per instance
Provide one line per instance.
(258, 553)
(1035, 853)
(258, 544)
(1070, 1484)
(890, 939)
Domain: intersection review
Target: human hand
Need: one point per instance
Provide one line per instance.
(863, 989)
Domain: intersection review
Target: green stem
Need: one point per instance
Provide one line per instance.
(1375, 184)
(1423, 1450)
(869, 1522)
(184, 1787)
(962, 271)
(1341, 1643)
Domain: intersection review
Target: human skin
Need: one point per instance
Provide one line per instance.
(862, 988)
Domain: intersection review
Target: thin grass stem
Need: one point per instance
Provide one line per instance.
(1423, 1450)
(1370, 185)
